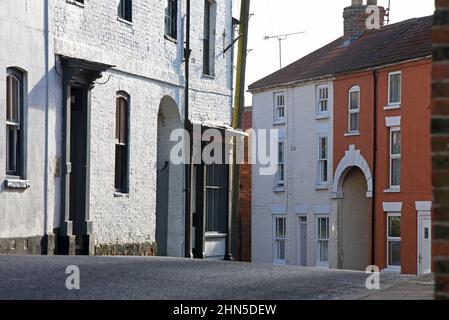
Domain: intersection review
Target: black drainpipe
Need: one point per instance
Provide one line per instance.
(373, 199)
(187, 127)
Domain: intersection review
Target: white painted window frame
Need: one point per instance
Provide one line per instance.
(394, 157)
(320, 181)
(278, 107)
(319, 263)
(353, 111)
(277, 239)
(393, 239)
(280, 183)
(395, 104)
(319, 99)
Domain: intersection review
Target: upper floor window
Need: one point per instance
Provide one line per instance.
(122, 143)
(15, 129)
(322, 160)
(394, 88)
(125, 10)
(322, 99)
(280, 234)
(280, 176)
(209, 38)
(354, 109)
(395, 157)
(171, 17)
(279, 107)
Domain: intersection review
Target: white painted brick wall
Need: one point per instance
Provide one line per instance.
(302, 131)
(147, 66)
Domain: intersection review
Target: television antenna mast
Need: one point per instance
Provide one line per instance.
(280, 38)
(388, 12)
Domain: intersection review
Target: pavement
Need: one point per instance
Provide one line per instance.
(155, 278)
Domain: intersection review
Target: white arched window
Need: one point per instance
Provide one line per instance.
(354, 110)
(15, 138)
(122, 143)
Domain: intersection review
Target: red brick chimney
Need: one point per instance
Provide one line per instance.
(355, 18)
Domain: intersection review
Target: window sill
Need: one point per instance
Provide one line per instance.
(322, 265)
(280, 262)
(279, 122)
(76, 3)
(392, 107)
(129, 23)
(171, 39)
(392, 269)
(17, 184)
(352, 134)
(208, 76)
(321, 187)
(121, 195)
(392, 190)
(322, 116)
(215, 235)
(279, 189)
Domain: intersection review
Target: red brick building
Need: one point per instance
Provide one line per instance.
(440, 145)
(244, 237)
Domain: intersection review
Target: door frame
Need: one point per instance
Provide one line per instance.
(82, 74)
(299, 239)
(421, 214)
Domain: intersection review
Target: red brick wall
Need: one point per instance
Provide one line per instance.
(440, 148)
(415, 157)
(244, 243)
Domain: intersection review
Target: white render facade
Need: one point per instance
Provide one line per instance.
(304, 200)
(137, 60)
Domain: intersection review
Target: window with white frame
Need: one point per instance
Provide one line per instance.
(394, 239)
(394, 88)
(15, 130)
(354, 110)
(322, 160)
(279, 107)
(395, 157)
(280, 175)
(322, 99)
(171, 15)
(210, 8)
(322, 240)
(280, 233)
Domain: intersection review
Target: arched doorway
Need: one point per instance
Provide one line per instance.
(169, 195)
(351, 211)
(354, 219)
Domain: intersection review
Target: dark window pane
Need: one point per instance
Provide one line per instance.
(206, 41)
(396, 172)
(8, 98)
(394, 253)
(216, 198)
(354, 100)
(354, 122)
(394, 227)
(395, 88)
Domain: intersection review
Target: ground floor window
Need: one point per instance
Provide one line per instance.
(394, 240)
(279, 240)
(323, 241)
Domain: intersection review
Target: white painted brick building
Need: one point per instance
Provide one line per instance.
(302, 200)
(135, 58)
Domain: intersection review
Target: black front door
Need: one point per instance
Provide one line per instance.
(78, 159)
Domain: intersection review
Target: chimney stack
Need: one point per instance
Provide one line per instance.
(355, 18)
